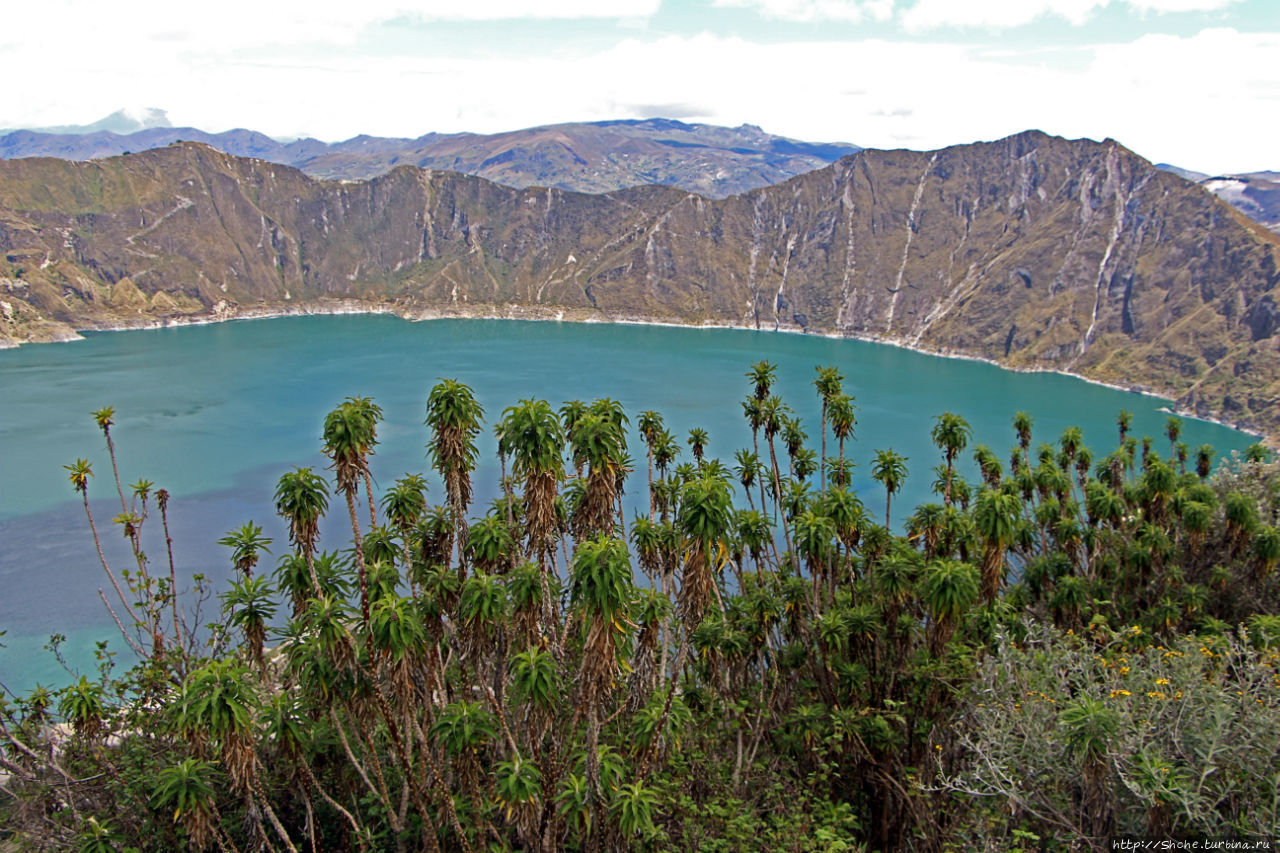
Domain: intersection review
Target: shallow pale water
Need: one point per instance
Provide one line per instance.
(216, 413)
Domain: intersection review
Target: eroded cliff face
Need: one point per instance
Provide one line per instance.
(1033, 251)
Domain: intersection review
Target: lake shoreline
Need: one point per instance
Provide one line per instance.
(344, 307)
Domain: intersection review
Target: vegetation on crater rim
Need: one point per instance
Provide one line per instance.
(1068, 648)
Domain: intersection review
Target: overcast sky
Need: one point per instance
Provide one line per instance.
(1190, 82)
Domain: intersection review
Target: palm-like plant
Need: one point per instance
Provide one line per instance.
(464, 727)
(804, 464)
(762, 375)
(753, 534)
(535, 678)
(846, 512)
(98, 836)
(842, 413)
(350, 433)
(454, 416)
(395, 627)
(405, 503)
(482, 608)
(302, 498)
(988, 464)
(1204, 461)
(599, 445)
(218, 702)
(650, 425)
(950, 588)
(1123, 422)
(995, 515)
(632, 807)
(1090, 726)
(828, 386)
(518, 789)
(105, 419)
(1173, 431)
(600, 590)
(704, 519)
(250, 607)
(794, 437)
(80, 472)
(187, 789)
(950, 433)
(83, 704)
(890, 471)
(815, 535)
(492, 546)
(1242, 517)
(245, 542)
(1022, 423)
(1071, 441)
(1257, 453)
(773, 414)
(1266, 548)
(532, 436)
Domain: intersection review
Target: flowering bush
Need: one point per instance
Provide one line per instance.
(1186, 736)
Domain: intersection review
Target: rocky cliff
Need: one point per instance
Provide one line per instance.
(1033, 251)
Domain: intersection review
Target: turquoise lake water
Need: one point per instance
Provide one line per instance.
(216, 413)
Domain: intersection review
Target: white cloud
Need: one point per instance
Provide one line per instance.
(806, 11)
(1197, 101)
(1000, 14)
(489, 10)
(995, 13)
(232, 25)
(1163, 6)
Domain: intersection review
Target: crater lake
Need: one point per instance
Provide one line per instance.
(216, 413)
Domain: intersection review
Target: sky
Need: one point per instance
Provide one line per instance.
(1195, 83)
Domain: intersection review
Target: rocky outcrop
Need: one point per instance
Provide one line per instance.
(1033, 251)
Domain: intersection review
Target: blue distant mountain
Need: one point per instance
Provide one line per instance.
(584, 156)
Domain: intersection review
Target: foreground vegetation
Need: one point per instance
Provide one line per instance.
(1066, 649)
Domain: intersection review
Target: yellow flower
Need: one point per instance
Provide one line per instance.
(1162, 681)
(1115, 693)
(1124, 670)
(1155, 694)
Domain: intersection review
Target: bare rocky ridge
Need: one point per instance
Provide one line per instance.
(1033, 251)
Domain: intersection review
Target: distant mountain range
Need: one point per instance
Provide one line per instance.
(1255, 194)
(121, 121)
(1033, 251)
(585, 157)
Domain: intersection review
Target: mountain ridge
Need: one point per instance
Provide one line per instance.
(1255, 194)
(1034, 252)
(583, 156)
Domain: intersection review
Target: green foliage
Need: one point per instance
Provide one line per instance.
(789, 674)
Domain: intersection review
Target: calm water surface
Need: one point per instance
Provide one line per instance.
(216, 413)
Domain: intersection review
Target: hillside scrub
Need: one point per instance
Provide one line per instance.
(1068, 648)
